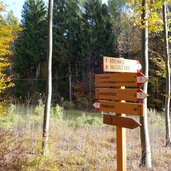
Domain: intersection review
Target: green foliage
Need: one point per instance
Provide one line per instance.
(9, 120)
(30, 47)
(87, 120)
(39, 110)
(155, 99)
(57, 112)
(81, 33)
(97, 34)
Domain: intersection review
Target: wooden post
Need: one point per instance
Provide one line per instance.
(121, 146)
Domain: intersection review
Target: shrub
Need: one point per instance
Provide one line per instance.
(57, 112)
(68, 105)
(82, 103)
(12, 118)
(12, 109)
(87, 120)
(39, 110)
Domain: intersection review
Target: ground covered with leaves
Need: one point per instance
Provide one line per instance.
(78, 141)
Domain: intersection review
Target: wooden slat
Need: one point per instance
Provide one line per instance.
(119, 79)
(111, 64)
(120, 121)
(119, 107)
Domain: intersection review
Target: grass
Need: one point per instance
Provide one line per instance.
(78, 141)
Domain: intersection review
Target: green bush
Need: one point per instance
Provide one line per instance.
(39, 110)
(57, 112)
(87, 120)
(12, 118)
(11, 109)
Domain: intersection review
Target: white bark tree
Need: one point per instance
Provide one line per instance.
(167, 65)
(49, 82)
(145, 141)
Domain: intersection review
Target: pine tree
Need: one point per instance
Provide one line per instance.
(97, 32)
(30, 47)
(66, 41)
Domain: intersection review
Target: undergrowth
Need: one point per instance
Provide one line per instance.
(77, 141)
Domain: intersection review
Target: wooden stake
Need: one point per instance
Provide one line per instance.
(121, 149)
(121, 146)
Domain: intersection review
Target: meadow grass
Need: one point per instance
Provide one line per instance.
(78, 140)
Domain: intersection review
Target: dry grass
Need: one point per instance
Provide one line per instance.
(76, 146)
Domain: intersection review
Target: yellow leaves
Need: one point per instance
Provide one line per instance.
(5, 82)
(155, 22)
(157, 5)
(166, 95)
(7, 35)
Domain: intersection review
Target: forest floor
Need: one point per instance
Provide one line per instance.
(78, 141)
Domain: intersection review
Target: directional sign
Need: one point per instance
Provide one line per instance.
(120, 79)
(119, 107)
(120, 121)
(111, 64)
(120, 94)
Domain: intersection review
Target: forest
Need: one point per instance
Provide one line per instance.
(83, 32)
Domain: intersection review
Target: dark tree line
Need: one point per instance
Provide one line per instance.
(82, 33)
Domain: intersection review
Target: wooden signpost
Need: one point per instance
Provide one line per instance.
(111, 97)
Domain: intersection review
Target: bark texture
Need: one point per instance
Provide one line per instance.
(49, 83)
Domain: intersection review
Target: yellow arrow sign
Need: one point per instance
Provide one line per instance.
(119, 107)
(120, 79)
(120, 94)
(120, 121)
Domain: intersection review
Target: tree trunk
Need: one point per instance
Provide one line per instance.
(167, 64)
(145, 142)
(70, 82)
(49, 83)
(90, 86)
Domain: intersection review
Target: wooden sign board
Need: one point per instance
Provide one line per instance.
(119, 107)
(134, 95)
(120, 121)
(111, 64)
(120, 79)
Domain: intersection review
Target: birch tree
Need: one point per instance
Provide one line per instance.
(145, 141)
(49, 82)
(167, 65)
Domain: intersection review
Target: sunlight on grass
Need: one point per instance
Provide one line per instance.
(78, 140)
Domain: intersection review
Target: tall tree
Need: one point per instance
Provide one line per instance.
(167, 64)
(145, 141)
(30, 46)
(97, 36)
(49, 81)
(120, 20)
(66, 40)
(8, 33)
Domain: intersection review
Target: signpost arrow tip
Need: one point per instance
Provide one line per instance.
(96, 105)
